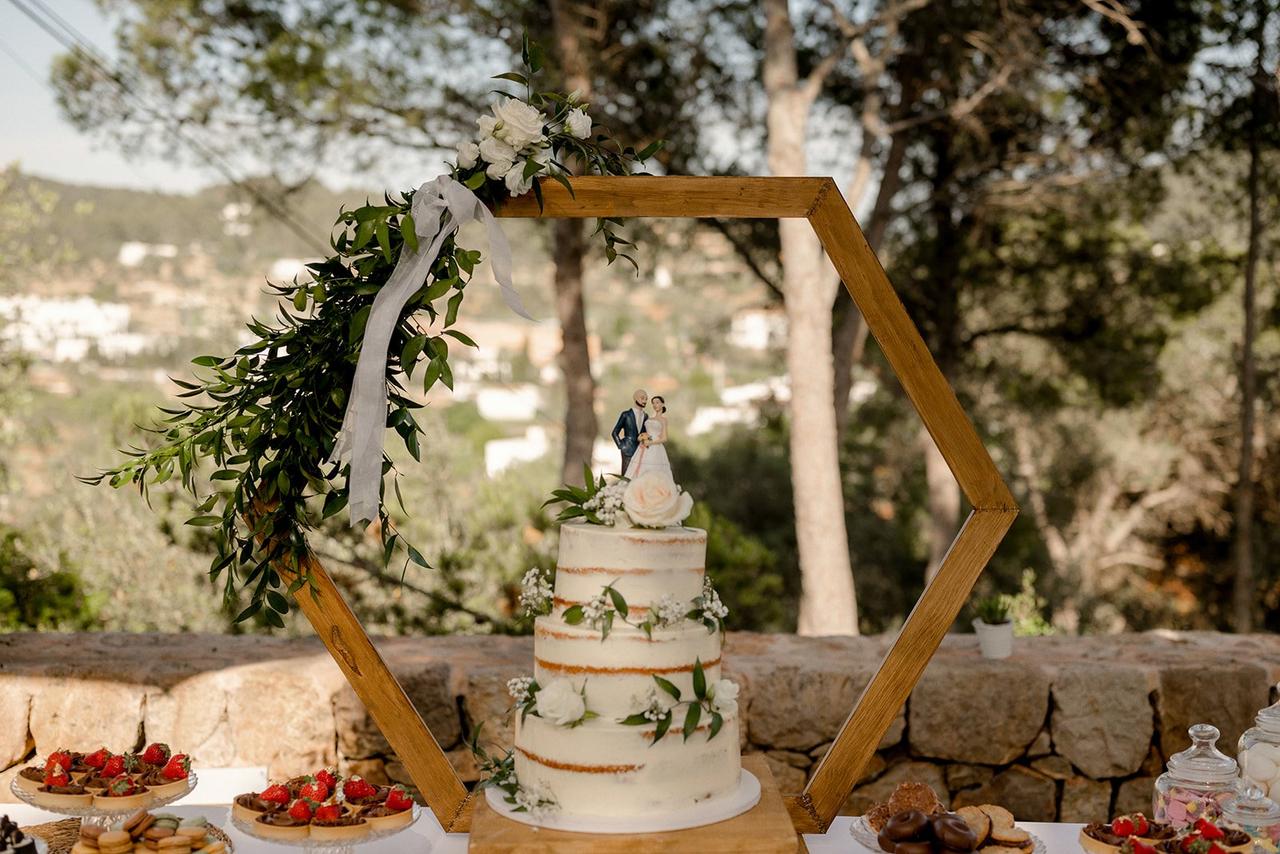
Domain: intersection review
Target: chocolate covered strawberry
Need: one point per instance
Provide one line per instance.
(123, 786)
(156, 754)
(116, 764)
(300, 810)
(398, 799)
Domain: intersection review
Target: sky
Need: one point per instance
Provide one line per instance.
(32, 130)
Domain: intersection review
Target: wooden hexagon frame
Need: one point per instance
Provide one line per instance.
(818, 200)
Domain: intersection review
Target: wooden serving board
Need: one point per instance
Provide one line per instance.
(765, 828)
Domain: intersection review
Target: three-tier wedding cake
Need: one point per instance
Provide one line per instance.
(626, 714)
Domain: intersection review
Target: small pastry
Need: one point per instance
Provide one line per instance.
(174, 845)
(123, 793)
(173, 777)
(154, 756)
(361, 793)
(115, 842)
(979, 822)
(249, 806)
(333, 823)
(395, 811)
(30, 778)
(139, 823)
(291, 824)
(57, 791)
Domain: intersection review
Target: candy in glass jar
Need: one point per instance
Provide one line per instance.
(1259, 752)
(1196, 781)
(1256, 814)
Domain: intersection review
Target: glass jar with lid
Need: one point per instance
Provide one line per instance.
(1196, 781)
(1254, 813)
(1259, 752)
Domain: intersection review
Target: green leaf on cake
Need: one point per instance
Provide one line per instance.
(663, 726)
(619, 603)
(638, 719)
(717, 721)
(691, 719)
(606, 624)
(573, 615)
(668, 686)
(699, 680)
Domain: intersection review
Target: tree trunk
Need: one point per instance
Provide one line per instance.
(580, 426)
(944, 504)
(1243, 592)
(850, 336)
(828, 605)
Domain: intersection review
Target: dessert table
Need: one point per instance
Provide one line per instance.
(427, 836)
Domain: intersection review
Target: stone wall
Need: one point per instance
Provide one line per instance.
(1069, 728)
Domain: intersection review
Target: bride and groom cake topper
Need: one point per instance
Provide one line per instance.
(641, 436)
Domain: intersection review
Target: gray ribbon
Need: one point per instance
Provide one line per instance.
(440, 208)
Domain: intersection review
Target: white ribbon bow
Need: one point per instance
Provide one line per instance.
(440, 208)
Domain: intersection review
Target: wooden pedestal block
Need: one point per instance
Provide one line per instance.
(765, 828)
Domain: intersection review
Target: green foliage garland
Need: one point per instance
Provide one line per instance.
(267, 417)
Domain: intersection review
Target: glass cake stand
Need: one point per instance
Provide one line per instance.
(339, 846)
(95, 815)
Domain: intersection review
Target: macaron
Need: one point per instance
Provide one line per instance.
(115, 842)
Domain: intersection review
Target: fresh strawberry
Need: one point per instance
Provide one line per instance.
(1122, 826)
(277, 794)
(1208, 830)
(357, 788)
(1140, 824)
(177, 768)
(314, 790)
(114, 766)
(157, 753)
(328, 812)
(330, 780)
(56, 775)
(300, 810)
(1215, 848)
(1137, 846)
(123, 785)
(61, 758)
(98, 759)
(398, 799)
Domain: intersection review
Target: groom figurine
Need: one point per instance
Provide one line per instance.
(626, 433)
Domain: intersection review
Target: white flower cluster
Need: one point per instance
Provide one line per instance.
(656, 704)
(535, 798)
(712, 607)
(513, 136)
(669, 611)
(535, 592)
(607, 503)
(519, 687)
(593, 612)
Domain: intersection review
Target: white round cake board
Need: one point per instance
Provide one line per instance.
(721, 808)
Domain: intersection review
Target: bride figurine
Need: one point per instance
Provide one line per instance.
(651, 454)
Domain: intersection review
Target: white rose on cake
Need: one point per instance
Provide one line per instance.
(560, 703)
(653, 500)
(518, 123)
(724, 696)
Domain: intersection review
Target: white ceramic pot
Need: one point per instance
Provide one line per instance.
(995, 640)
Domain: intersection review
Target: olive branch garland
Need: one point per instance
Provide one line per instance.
(267, 417)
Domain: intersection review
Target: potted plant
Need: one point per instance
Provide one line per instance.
(994, 626)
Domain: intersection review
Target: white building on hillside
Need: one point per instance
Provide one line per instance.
(501, 454)
(64, 330)
(758, 329)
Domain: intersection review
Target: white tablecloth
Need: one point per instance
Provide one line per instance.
(427, 836)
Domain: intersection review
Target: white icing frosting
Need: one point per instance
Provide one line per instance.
(604, 768)
(607, 769)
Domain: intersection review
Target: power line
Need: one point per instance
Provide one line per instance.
(76, 43)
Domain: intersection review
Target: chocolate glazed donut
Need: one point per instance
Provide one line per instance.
(953, 832)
